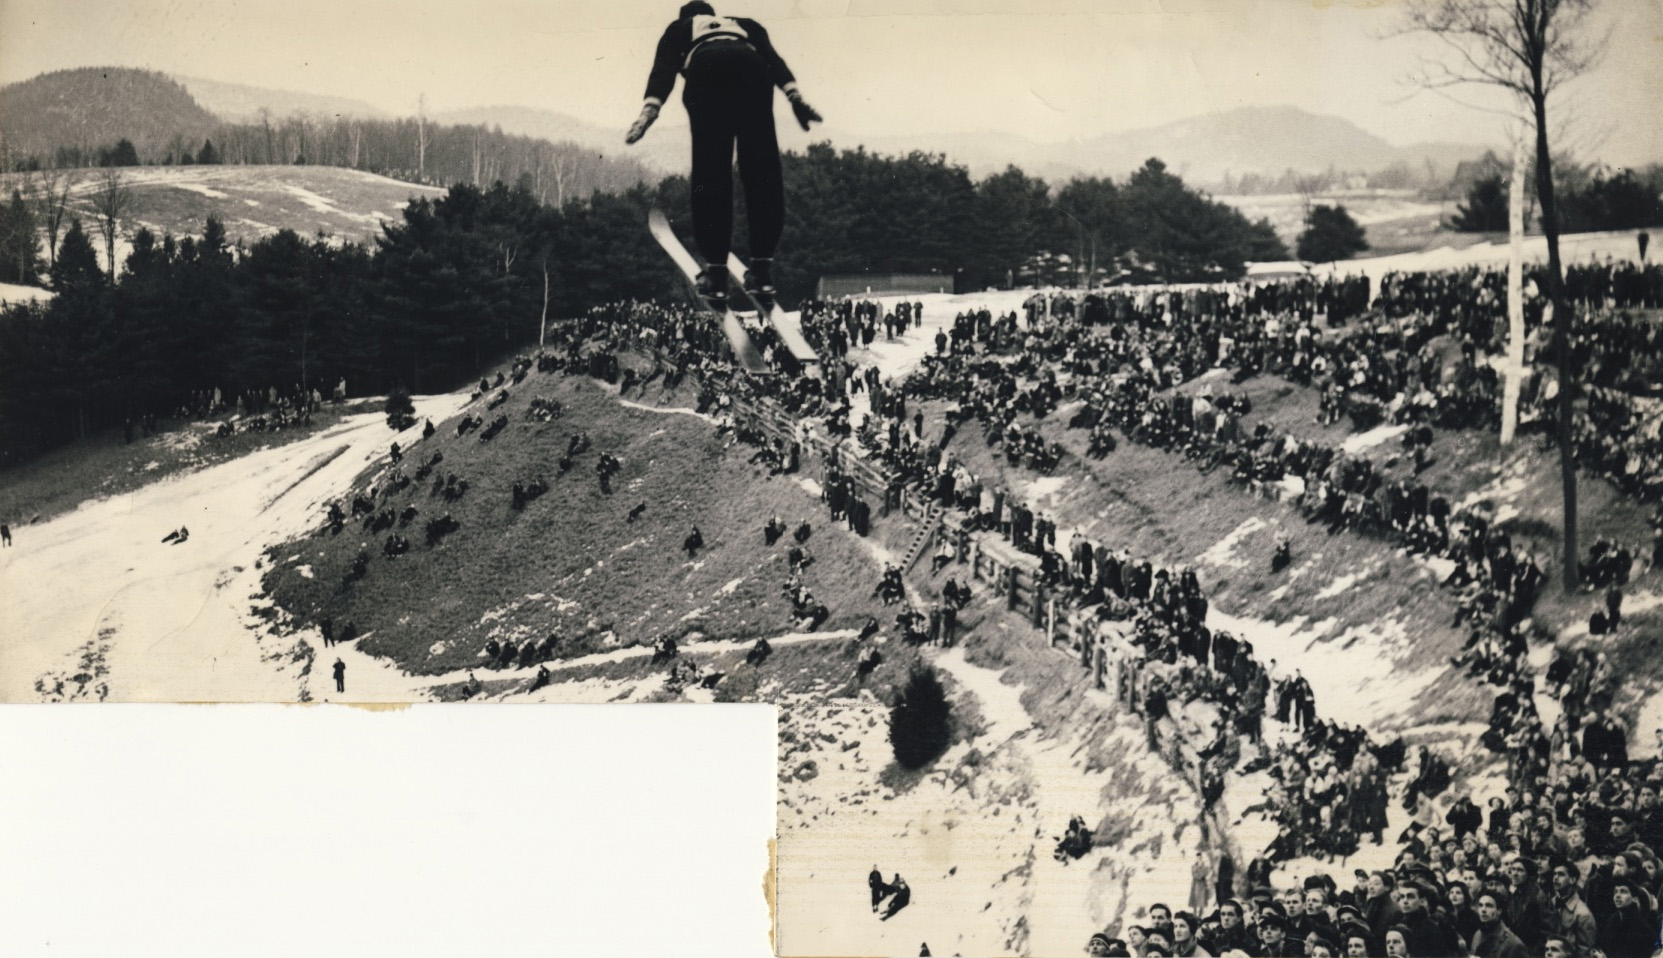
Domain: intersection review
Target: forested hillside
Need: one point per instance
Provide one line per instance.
(75, 113)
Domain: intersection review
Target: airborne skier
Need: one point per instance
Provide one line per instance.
(731, 69)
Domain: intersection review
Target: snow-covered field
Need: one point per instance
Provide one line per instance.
(251, 201)
(97, 593)
(13, 293)
(973, 838)
(1573, 249)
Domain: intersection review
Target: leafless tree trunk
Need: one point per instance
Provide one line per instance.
(114, 203)
(421, 138)
(478, 147)
(271, 147)
(27, 192)
(1529, 48)
(301, 126)
(543, 324)
(561, 167)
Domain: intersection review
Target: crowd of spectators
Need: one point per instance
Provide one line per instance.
(1569, 860)
(1451, 892)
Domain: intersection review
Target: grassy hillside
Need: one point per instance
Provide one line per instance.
(572, 561)
(256, 201)
(252, 201)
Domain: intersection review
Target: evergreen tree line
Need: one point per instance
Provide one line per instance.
(463, 279)
(1589, 200)
(854, 212)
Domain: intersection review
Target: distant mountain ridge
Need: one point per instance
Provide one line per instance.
(663, 154)
(1267, 141)
(1203, 149)
(102, 105)
(240, 103)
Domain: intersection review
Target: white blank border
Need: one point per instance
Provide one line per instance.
(435, 830)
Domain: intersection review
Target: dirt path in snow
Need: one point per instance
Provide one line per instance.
(375, 680)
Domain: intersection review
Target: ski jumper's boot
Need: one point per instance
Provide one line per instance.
(759, 282)
(713, 287)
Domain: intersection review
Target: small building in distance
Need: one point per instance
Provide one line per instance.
(882, 284)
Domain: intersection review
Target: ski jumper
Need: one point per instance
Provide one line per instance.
(731, 70)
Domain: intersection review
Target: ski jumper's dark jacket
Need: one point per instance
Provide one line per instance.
(684, 37)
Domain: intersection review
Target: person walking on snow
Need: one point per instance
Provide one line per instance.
(731, 70)
(340, 676)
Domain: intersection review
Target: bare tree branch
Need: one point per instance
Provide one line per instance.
(1531, 48)
(115, 204)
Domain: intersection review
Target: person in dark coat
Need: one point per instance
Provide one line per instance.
(1232, 932)
(1464, 817)
(878, 887)
(340, 676)
(1493, 938)
(1273, 938)
(1604, 742)
(1428, 937)
(1525, 913)
(1154, 710)
(1626, 931)
(903, 897)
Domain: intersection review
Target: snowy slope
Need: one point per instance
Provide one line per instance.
(98, 589)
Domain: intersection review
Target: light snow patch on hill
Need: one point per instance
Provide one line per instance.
(1223, 552)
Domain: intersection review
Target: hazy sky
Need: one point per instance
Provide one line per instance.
(1045, 69)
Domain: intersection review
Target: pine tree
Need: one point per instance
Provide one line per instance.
(147, 305)
(19, 242)
(207, 156)
(920, 723)
(401, 411)
(1330, 234)
(1485, 210)
(77, 265)
(122, 154)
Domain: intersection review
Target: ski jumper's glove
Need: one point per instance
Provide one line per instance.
(805, 113)
(638, 129)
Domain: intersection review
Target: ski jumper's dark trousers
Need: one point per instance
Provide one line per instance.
(729, 98)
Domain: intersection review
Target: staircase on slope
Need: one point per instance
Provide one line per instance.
(921, 540)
